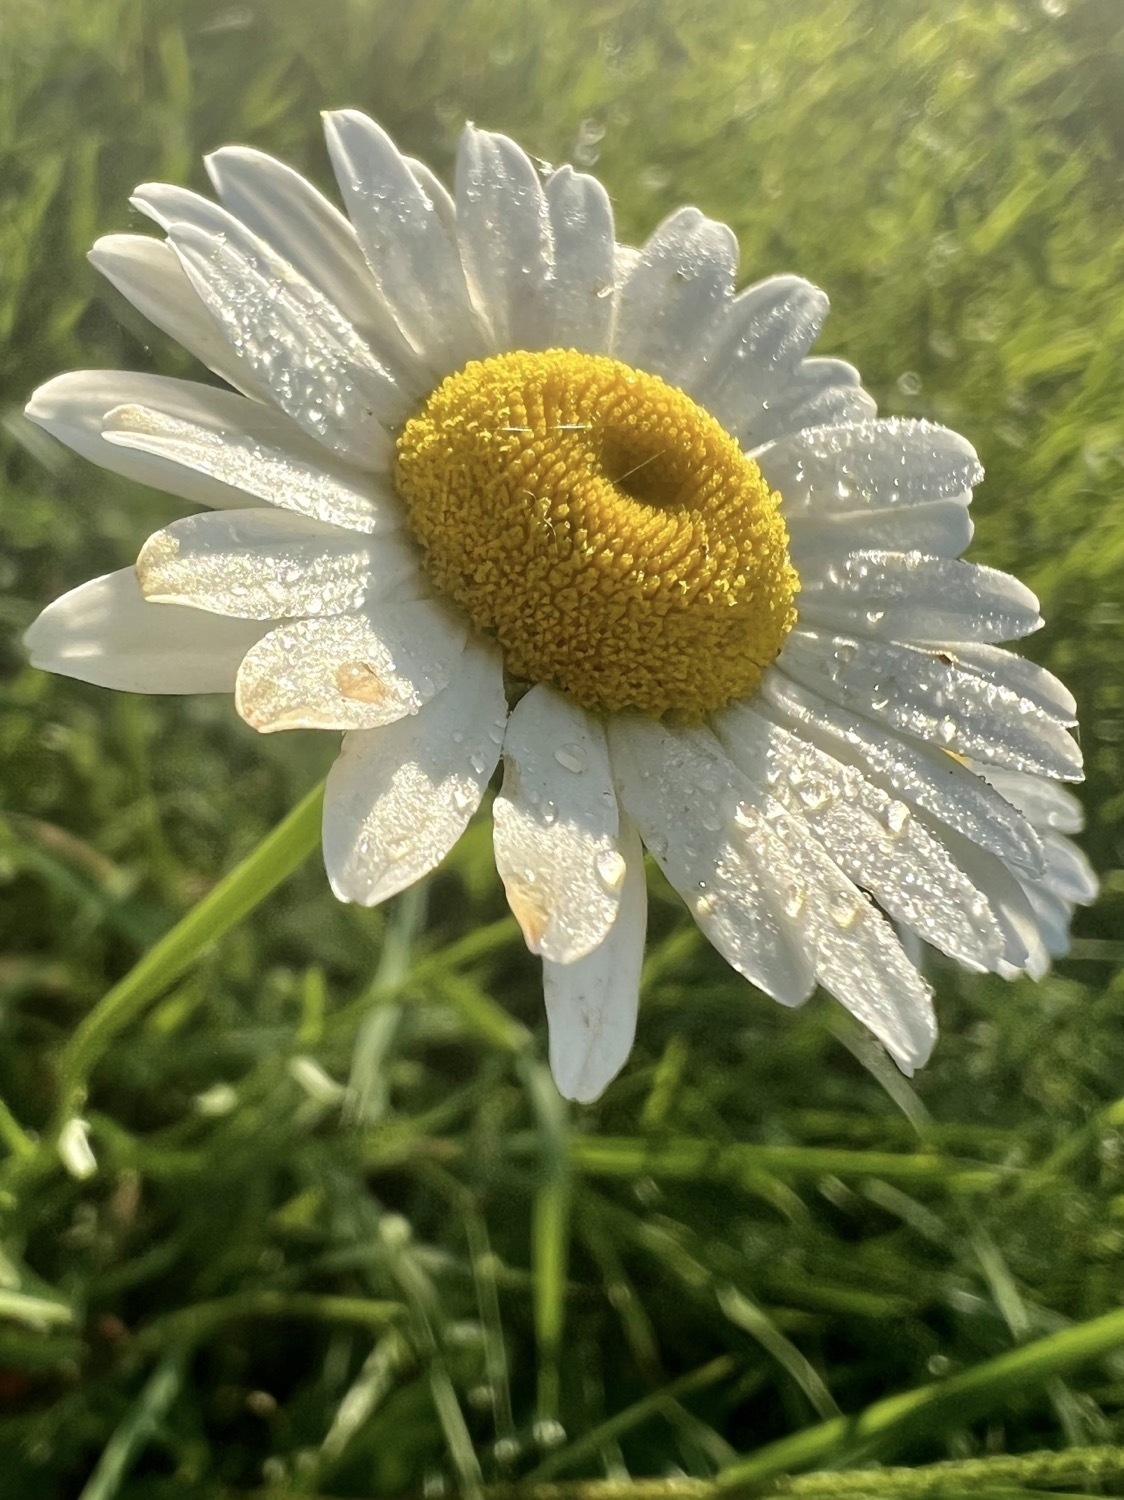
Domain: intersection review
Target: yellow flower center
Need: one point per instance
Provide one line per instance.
(606, 530)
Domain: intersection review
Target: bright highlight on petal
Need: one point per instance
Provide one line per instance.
(490, 483)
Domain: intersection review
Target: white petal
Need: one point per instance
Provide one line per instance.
(297, 346)
(926, 694)
(350, 671)
(506, 242)
(1006, 896)
(754, 351)
(1052, 916)
(591, 1005)
(907, 596)
(581, 220)
(684, 796)
(73, 408)
(818, 393)
(267, 459)
(921, 775)
(871, 836)
(555, 827)
(148, 272)
(1025, 677)
(889, 461)
(286, 211)
(408, 242)
(858, 957)
(271, 565)
(826, 921)
(942, 528)
(675, 295)
(1069, 875)
(398, 798)
(1046, 804)
(104, 632)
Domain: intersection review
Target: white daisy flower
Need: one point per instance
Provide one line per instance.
(484, 482)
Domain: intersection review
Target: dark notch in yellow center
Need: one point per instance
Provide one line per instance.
(605, 529)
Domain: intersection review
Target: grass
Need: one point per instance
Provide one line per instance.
(327, 1229)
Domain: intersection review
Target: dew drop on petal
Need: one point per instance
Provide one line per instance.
(611, 869)
(571, 757)
(897, 816)
(844, 910)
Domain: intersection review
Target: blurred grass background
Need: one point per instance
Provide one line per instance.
(342, 1238)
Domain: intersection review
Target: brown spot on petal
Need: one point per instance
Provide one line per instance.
(529, 908)
(359, 681)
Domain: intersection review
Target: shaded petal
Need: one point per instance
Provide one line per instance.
(270, 565)
(555, 827)
(1046, 804)
(398, 798)
(1052, 917)
(148, 272)
(942, 528)
(754, 351)
(268, 459)
(591, 1004)
(870, 835)
(350, 671)
(929, 696)
(408, 239)
(684, 796)
(506, 240)
(1069, 875)
(674, 295)
(105, 633)
(907, 596)
(921, 775)
(1006, 897)
(889, 461)
(282, 208)
(818, 393)
(581, 220)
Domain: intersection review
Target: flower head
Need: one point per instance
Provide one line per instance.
(482, 482)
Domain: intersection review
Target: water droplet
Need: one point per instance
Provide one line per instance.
(571, 757)
(897, 816)
(611, 869)
(794, 898)
(477, 762)
(844, 910)
(548, 1433)
(814, 797)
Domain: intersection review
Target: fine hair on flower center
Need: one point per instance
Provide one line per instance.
(603, 528)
